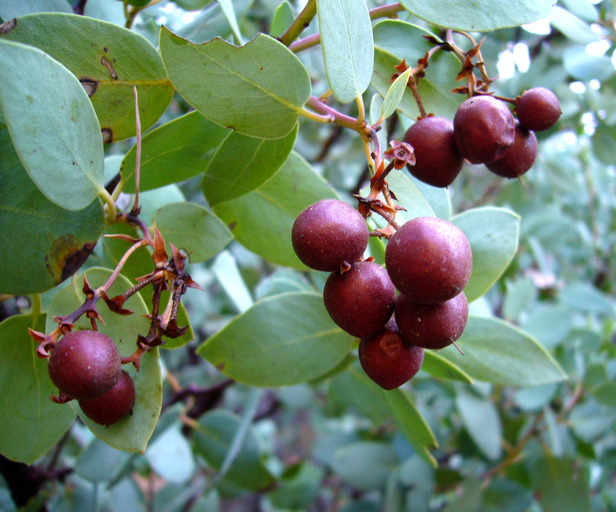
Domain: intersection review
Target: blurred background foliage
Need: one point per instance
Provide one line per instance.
(330, 445)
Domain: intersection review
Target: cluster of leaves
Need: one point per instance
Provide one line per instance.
(263, 402)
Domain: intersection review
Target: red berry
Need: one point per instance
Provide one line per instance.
(483, 129)
(360, 300)
(429, 260)
(113, 405)
(388, 359)
(435, 326)
(438, 160)
(538, 109)
(84, 364)
(329, 233)
(519, 158)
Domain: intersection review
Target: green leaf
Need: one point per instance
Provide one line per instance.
(31, 424)
(408, 196)
(561, 483)
(133, 432)
(572, 27)
(213, 436)
(171, 456)
(584, 66)
(109, 61)
(173, 152)
(10, 9)
(282, 19)
(479, 15)
(394, 94)
(298, 487)
(59, 141)
(242, 164)
(58, 240)
(230, 278)
(280, 341)
(493, 234)
(412, 424)
(262, 220)
(437, 197)
(193, 228)
(482, 422)
(227, 9)
(211, 21)
(498, 352)
(258, 89)
(353, 387)
(603, 141)
(365, 465)
(348, 51)
(439, 367)
(395, 40)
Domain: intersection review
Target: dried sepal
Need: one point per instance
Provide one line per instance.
(160, 254)
(402, 153)
(115, 304)
(121, 236)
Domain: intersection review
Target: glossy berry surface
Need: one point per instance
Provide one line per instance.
(360, 300)
(388, 359)
(483, 129)
(329, 233)
(84, 364)
(538, 109)
(438, 160)
(519, 158)
(112, 406)
(429, 260)
(435, 326)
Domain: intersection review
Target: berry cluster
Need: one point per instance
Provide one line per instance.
(428, 260)
(483, 131)
(86, 366)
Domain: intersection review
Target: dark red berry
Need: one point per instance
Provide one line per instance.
(360, 300)
(438, 160)
(435, 326)
(113, 405)
(429, 260)
(388, 359)
(84, 364)
(519, 158)
(483, 129)
(538, 109)
(329, 233)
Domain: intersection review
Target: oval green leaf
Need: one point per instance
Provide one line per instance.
(409, 197)
(479, 15)
(412, 424)
(262, 220)
(193, 228)
(496, 351)
(59, 140)
(58, 241)
(213, 437)
(243, 164)
(109, 61)
(396, 40)
(365, 465)
(482, 422)
(493, 234)
(441, 368)
(280, 341)
(394, 94)
(173, 152)
(258, 89)
(348, 50)
(132, 433)
(26, 412)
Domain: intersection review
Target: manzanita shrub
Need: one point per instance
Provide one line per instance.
(318, 255)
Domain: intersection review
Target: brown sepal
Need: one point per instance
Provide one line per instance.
(160, 254)
(115, 304)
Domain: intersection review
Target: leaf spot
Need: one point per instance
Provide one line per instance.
(107, 63)
(107, 135)
(66, 257)
(89, 85)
